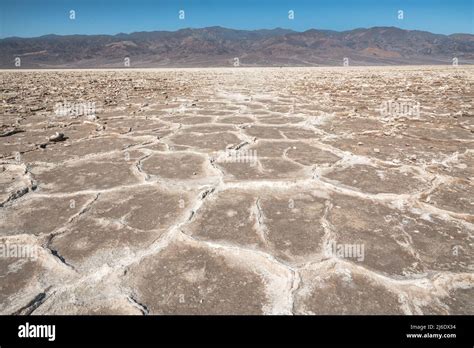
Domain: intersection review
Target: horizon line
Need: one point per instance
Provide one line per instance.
(228, 28)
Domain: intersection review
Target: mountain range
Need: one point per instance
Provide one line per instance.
(217, 46)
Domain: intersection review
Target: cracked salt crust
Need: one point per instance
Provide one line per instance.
(326, 123)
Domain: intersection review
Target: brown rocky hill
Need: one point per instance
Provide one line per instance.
(217, 46)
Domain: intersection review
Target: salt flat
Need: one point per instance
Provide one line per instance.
(237, 191)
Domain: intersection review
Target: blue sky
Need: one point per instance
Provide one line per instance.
(29, 18)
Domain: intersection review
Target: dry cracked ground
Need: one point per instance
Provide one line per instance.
(143, 207)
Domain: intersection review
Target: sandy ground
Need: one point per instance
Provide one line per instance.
(237, 191)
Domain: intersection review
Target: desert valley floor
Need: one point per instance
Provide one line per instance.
(238, 191)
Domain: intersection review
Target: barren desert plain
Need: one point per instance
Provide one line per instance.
(237, 191)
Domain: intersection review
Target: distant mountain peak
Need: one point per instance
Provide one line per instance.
(219, 46)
